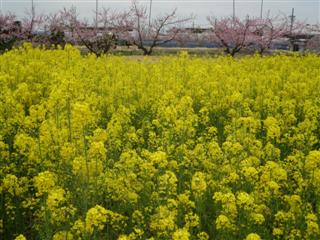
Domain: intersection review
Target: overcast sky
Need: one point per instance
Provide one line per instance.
(308, 10)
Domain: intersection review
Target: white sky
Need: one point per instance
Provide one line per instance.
(305, 10)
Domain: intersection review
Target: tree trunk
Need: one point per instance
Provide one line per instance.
(261, 51)
(150, 51)
(227, 50)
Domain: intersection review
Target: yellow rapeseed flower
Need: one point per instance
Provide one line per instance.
(253, 236)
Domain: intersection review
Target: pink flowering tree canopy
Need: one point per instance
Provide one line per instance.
(10, 31)
(233, 34)
(268, 29)
(97, 36)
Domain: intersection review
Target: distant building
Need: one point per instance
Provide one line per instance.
(299, 42)
(314, 44)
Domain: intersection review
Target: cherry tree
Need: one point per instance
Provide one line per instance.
(97, 37)
(30, 23)
(145, 34)
(13, 31)
(268, 29)
(53, 31)
(69, 21)
(10, 31)
(233, 34)
(97, 41)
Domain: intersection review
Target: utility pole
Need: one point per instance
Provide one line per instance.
(150, 9)
(32, 8)
(261, 9)
(234, 10)
(291, 37)
(33, 14)
(97, 6)
(292, 17)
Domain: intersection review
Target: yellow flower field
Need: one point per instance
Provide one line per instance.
(178, 148)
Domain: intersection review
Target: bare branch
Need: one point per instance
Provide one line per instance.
(145, 36)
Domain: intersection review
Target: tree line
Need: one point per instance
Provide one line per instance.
(133, 27)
